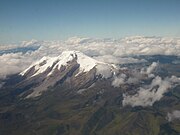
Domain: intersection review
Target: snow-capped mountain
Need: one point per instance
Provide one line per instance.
(72, 67)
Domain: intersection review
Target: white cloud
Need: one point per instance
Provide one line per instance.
(21, 44)
(118, 60)
(152, 67)
(13, 63)
(174, 115)
(119, 80)
(134, 76)
(107, 50)
(149, 71)
(149, 94)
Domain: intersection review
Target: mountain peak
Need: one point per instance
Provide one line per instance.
(85, 62)
(70, 65)
(69, 54)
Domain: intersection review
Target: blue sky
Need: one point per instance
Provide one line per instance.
(60, 19)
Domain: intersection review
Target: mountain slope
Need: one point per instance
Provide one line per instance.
(71, 66)
(84, 103)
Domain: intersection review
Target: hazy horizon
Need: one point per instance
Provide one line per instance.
(61, 19)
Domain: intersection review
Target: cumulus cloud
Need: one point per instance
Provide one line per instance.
(149, 94)
(150, 69)
(135, 76)
(32, 42)
(117, 51)
(174, 115)
(13, 63)
(119, 80)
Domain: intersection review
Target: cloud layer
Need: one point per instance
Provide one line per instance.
(119, 51)
(107, 50)
(147, 95)
(135, 76)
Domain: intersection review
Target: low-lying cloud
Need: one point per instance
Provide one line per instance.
(118, 60)
(114, 51)
(13, 63)
(150, 69)
(119, 80)
(173, 115)
(147, 95)
(135, 76)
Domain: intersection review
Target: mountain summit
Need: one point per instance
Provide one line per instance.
(73, 67)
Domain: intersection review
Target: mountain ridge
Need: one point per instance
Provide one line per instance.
(50, 70)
